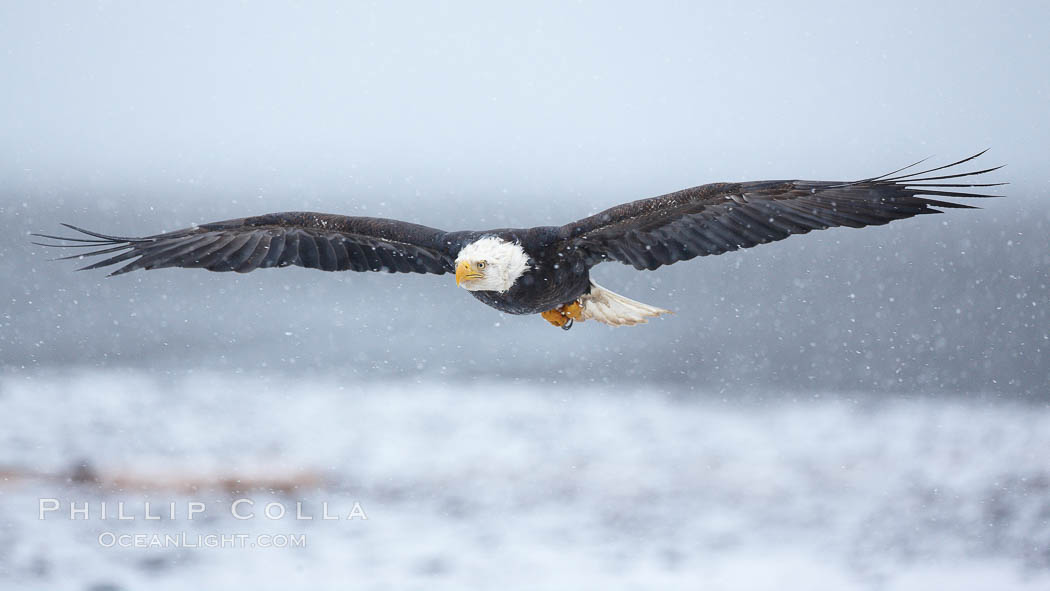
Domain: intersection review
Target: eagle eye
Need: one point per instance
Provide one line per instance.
(481, 264)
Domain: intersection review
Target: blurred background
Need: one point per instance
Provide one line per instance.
(850, 408)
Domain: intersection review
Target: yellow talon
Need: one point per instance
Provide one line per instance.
(563, 316)
(555, 317)
(573, 310)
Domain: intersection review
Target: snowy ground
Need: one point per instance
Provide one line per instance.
(516, 486)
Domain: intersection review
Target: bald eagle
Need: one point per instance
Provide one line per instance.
(544, 270)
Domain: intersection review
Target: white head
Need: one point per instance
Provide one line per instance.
(490, 264)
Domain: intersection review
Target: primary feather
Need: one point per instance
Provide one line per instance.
(721, 217)
(313, 240)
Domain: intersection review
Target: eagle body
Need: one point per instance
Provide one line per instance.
(544, 269)
(553, 277)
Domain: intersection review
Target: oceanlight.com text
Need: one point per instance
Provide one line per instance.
(109, 539)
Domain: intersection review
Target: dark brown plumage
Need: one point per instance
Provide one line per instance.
(313, 240)
(705, 220)
(720, 217)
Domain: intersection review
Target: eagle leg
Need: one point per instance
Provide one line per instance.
(564, 316)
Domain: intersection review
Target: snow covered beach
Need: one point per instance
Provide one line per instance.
(517, 486)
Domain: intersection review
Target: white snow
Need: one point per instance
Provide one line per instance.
(516, 486)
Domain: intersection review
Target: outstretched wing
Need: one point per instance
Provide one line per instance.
(717, 218)
(314, 240)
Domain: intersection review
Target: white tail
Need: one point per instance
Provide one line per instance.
(614, 309)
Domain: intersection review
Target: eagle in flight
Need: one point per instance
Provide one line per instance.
(543, 270)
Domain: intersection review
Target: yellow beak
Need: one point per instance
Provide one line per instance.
(465, 273)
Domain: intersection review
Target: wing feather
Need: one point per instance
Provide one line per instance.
(176, 250)
(215, 261)
(309, 256)
(290, 256)
(237, 258)
(273, 251)
(722, 217)
(251, 262)
(355, 254)
(313, 240)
